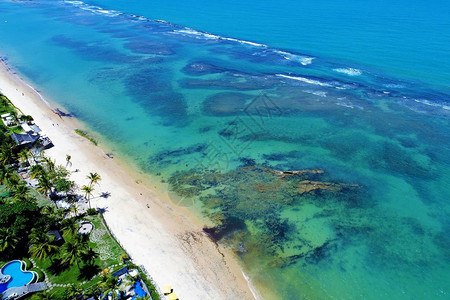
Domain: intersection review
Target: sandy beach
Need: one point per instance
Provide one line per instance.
(166, 240)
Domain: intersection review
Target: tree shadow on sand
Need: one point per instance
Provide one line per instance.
(105, 195)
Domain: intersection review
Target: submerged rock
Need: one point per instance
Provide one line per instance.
(248, 206)
(296, 172)
(225, 104)
(155, 47)
(307, 186)
(201, 68)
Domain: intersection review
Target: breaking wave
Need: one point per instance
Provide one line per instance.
(348, 71)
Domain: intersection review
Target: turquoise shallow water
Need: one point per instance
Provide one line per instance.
(214, 118)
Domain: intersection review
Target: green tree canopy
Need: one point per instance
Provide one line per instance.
(93, 178)
(41, 244)
(74, 250)
(20, 218)
(64, 185)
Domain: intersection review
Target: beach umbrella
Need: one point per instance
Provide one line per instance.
(167, 289)
(172, 296)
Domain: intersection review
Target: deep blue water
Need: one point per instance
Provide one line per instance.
(353, 96)
(404, 38)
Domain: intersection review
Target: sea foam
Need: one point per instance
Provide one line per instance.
(348, 71)
(209, 36)
(94, 9)
(304, 79)
(304, 60)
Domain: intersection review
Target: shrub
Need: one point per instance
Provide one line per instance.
(152, 289)
(28, 263)
(91, 211)
(26, 118)
(41, 275)
(124, 258)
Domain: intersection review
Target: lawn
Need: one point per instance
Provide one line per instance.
(103, 243)
(109, 255)
(106, 245)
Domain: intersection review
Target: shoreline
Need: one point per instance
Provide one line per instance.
(167, 240)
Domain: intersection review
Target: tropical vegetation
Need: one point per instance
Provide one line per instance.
(32, 225)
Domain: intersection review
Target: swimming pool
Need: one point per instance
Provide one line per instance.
(139, 290)
(19, 277)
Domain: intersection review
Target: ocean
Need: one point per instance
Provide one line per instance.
(406, 39)
(312, 137)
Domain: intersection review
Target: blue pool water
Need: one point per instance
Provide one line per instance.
(138, 290)
(18, 277)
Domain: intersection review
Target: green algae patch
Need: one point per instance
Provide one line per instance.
(247, 207)
(87, 136)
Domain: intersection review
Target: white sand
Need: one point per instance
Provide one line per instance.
(167, 241)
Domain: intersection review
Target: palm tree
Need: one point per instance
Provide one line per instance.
(59, 172)
(7, 153)
(73, 251)
(93, 178)
(109, 285)
(48, 210)
(8, 239)
(12, 180)
(20, 192)
(64, 185)
(68, 158)
(90, 256)
(24, 155)
(74, 209)
(37, 171)
(70, 227)
(88, 189)
(35, 154)
(5, 172)
(8, 175)
(54, 214)
(45, 185)
(41, 244)
(73, 291)
(49, 163)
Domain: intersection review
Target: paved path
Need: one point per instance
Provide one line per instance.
(19, 292)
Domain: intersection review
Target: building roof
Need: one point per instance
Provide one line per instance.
(35, 128)
(120, 272)
(24, 139)
(56, 234)
(26, 127)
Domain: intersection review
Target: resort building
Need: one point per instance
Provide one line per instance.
(30, 136)
(8, 119)
(24, 139)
